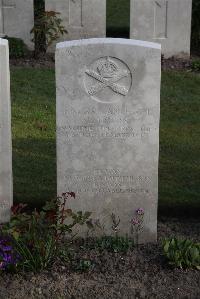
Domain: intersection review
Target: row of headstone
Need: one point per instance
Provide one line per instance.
(167, 22)
(108, 107)
(164, 21)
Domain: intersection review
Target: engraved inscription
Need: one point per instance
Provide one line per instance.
(108, 114)
(107, 181)
(76, 13)
(8, 3)
(105, 75)
(111, 122)
(160, 19)
(104, 131)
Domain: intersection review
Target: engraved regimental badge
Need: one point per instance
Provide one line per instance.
(108, 80)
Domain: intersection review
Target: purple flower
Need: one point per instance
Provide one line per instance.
(135, 221)
(7, 248)
(140, 211)
(8, 256)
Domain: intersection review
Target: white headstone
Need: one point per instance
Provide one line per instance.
(17, 19)
(6, 192)
(167, 22)
(81, 18)
(108, 99)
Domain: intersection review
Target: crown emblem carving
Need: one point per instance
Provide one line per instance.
(107, 73)
(107, 68)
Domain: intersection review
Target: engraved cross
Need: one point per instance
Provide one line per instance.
(105, 82)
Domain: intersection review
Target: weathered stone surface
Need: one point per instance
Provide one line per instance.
(167, 22)
(5, 135)
(81, 18)
(17, 19)
(108, 98)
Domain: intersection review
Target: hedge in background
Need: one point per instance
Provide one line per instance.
(196, 26)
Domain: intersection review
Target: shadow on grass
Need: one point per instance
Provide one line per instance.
(179, 186)
(183, 211)
(117, 32)
(34, 170)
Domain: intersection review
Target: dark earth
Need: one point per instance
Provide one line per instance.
(47, 61)
(140, 273)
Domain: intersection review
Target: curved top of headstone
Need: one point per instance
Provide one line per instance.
(3, 42)
(122, 41)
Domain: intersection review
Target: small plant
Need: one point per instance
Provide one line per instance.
(38, 237)
(182, 253)
(196, 65)
(17, 48)
(84, 265)
(115, 223)
(47, 29)
(137, 224)
(114, 243)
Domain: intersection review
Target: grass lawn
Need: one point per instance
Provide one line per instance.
(118, 18)
(34, 154)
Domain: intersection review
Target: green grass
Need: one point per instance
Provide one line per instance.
(33, 126)
(179, 143)
(118, 18)
(34, 154)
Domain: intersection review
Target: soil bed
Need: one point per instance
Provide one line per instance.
(43, 61)
(141, 273)
(47, 61)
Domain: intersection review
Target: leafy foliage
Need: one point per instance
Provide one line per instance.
(84, 265)
(196, 24)
(114, 243)
(39, 6)
(182, 253)
(196, 65)
(38, 237)
(47, 29)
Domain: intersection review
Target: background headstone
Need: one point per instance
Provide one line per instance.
(17, 19)
(5, 135)
(81, 18)
(108, 98)
(167, 22)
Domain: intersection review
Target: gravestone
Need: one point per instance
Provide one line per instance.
(81, 18)
(167, 22)
(17, 19)
(108, 98)
(5, 135)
